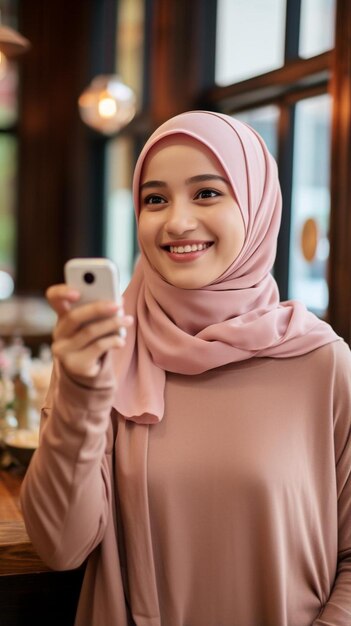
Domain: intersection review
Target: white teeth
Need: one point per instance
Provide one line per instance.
(189, 248)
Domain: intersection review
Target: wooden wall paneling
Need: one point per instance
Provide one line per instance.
(181, 56)
(166, 95)
(52, 141)
(340, 228)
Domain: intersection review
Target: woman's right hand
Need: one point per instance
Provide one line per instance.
(83, 334)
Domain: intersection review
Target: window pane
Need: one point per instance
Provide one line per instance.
(8, 97)
(119, 219)
(250, 38)
(8, 159)
(265, 121)
(8, 79)
(309, 243)
(317, 27)
(130, 44)
(8, 165)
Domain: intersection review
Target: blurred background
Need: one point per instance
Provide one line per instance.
(284, 66)
(78, 98)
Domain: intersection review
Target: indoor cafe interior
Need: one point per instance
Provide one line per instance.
(83, 85)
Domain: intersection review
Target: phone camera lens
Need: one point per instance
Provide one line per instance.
(89, 278)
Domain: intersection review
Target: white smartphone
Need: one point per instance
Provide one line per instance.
(95, 279)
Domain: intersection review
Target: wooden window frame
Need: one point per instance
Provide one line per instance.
(300, 78)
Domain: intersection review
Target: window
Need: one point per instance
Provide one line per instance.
(316, 27)
(8, 166)
(273, 70)
(8, 161)
(310, 208)
(250, 38)
(119, 231)
(119, 219)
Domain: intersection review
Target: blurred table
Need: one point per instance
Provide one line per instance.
(17, 555)
(28, 317)
(30, 593)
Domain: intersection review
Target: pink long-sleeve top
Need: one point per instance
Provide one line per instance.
(234, 510)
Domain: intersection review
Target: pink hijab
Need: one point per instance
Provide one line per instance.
(236, 317)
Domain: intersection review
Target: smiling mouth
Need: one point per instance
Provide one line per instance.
(187, 248)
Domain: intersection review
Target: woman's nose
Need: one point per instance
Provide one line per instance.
(180, 219)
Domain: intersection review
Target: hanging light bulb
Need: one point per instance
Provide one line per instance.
(11, 42)
(11, 45)
(107, 105)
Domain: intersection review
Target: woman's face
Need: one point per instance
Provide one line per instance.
(190, 226)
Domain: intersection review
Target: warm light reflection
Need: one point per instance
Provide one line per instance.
(3, 65)
(107, 106)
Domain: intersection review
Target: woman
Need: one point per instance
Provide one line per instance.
(203, 464)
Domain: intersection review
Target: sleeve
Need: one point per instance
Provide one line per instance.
(337, 610)
(67, 489)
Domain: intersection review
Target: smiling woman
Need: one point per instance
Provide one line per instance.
(205, 448)
(190, 225)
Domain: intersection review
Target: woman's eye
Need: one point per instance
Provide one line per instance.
(207, 193)
(153, 199)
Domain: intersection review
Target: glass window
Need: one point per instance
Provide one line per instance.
(309, 243)
(8, 96)
(119, 218)
(8, 158)
(265, 121)
(317, 25)
(8, 167)
(130, 43)
(250, 38)
(8, 70)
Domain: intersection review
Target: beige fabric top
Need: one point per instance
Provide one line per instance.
(235, 510)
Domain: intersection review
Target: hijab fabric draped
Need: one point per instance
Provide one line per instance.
(239, 315)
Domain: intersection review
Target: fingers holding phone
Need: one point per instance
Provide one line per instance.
(84, 335)
(61, 298)
(92, 322)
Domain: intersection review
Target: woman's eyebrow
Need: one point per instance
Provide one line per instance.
(203, 177)
(193, 179)
(153, 183)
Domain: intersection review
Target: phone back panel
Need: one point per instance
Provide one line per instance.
(95, 279)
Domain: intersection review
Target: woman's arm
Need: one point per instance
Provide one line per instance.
(337, 611)
(66, 491)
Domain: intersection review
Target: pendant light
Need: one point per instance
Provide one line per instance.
(107, 105)
(11, 45)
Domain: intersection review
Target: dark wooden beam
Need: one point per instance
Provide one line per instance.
(52, 140)
(292, 29)
(61, 162)
(340, 227)
(285, 160)
(181, 60)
